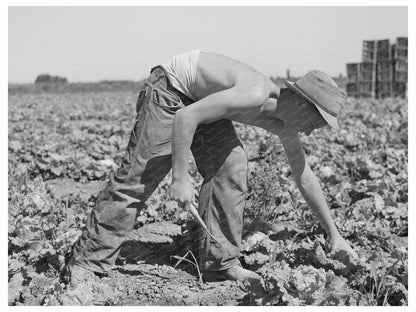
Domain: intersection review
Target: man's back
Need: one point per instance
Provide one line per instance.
(198, 74)
(216, 72)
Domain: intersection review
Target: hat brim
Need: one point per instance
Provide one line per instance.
(331, 120)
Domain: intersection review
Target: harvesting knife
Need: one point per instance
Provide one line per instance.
(195, 213)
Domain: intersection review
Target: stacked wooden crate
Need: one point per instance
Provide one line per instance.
(400, 52)
(360, 78)
(384, 69)
(382, 72)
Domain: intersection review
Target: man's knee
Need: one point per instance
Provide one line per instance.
(234, 169)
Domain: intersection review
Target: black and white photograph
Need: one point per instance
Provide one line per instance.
(207, 155)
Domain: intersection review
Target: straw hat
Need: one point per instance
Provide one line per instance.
(321, 90)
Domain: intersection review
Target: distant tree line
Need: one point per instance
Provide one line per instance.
(46, 78)
(57, 84)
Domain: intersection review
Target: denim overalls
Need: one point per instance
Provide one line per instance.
(220, 159)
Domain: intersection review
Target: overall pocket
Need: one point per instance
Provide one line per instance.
(167, 100)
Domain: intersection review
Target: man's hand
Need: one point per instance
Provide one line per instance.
(183, 192)
(340, 244)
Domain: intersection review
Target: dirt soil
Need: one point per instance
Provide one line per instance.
(146, 274)
(153, 284)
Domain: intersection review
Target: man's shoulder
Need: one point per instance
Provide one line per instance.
(218, 72)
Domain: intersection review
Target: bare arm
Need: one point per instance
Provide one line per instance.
(308, 184)
(223, 104)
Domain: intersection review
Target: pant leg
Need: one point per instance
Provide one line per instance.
(147, 161)
(222, 162)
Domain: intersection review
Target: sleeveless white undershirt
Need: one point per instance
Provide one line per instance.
(182, 72)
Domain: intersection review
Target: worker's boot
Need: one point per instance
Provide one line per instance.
(75, 274)
(235, 273)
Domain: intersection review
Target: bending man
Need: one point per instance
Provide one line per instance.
(189, 103)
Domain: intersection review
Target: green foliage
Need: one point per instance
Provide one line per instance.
(363, 171)
(303, 285)
(63, 147)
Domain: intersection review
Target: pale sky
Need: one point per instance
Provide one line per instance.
(96, 43)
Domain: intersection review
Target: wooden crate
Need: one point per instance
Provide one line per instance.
(366, 88)
(384, 89)
(353, 89)
(385, 65)
(400, 64)
(376, 50)
(400, 89)
(353, 68)
(400, 53)
(400, 76)
(383, 45)
(384, 86)
(366, 67)
(353, 77)
(402, 42)
(369, 47)
(357, 72)
(384, 54)
(386, 75)
(366, 76)
(385, 70)
(382, 95)
(383, 50)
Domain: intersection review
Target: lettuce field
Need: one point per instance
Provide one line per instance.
(63, 147)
